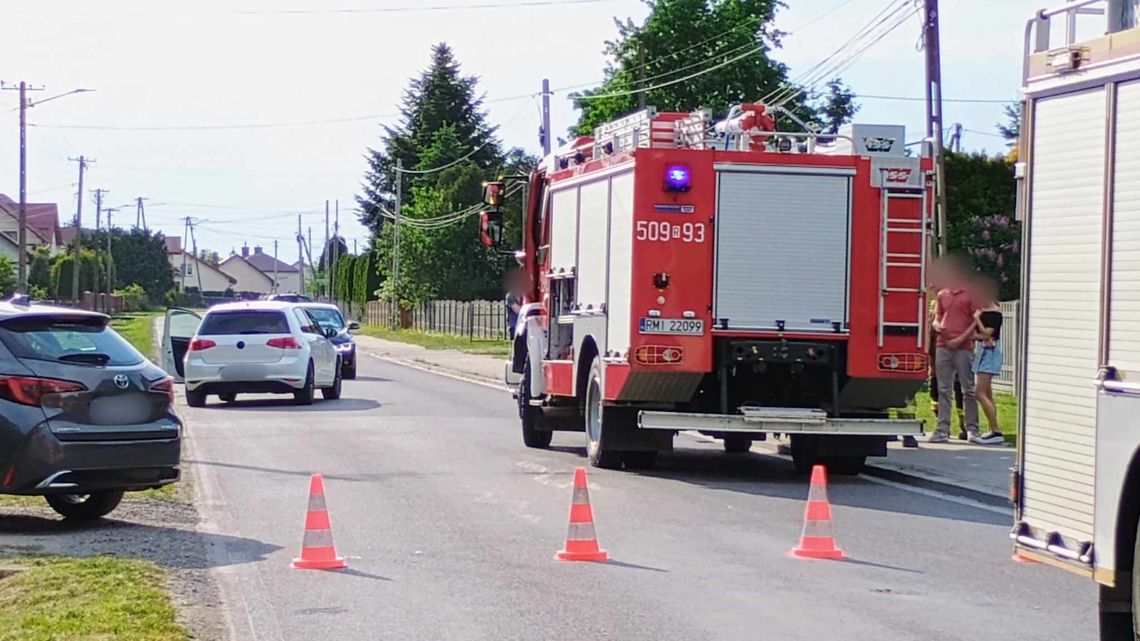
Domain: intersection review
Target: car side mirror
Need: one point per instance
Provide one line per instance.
(353, 325)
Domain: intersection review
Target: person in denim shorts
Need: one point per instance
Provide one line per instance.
(988, 355)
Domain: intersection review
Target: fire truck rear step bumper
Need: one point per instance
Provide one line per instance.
(787, 422)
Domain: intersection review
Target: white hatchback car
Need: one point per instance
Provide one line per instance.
(252, 347)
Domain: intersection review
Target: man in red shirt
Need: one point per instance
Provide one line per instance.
(954, 353)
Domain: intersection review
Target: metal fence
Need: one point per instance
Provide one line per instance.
(487, 320)
(1007, 382)
(480, 319)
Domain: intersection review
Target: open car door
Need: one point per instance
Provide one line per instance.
(179, 327)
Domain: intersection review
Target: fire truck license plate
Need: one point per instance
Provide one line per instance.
(672, 326)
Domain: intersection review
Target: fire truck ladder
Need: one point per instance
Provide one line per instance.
(895, 265)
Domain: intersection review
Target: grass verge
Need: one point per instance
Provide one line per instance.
(138, 329)
(49, 598)
(438, 341)
(1007, 409)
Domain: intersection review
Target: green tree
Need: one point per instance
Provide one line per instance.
(1011, 128)
(440, 96)
(61, 272)
(138, 258)
(684, 37)
(980, 196)
(39, 272)
(8, 279)
(837, 106)
(442, 262)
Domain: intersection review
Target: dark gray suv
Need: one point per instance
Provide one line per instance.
(84, 417)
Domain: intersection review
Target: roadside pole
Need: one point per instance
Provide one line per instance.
(396, 254)
(82, 160)
(932, 48)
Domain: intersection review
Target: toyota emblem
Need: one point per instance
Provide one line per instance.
(121, 381)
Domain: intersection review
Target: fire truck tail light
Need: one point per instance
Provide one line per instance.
(903, 362)
(658, 355)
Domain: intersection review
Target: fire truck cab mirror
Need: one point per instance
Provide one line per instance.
(493, 194)
(491, 229)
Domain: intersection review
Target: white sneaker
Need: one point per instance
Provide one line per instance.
(989, 438)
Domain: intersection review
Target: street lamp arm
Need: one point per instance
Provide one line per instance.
(67, 93)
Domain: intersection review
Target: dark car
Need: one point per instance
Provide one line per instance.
(329, 317)
(84, 417)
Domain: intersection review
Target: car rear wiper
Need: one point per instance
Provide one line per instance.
(94, 358)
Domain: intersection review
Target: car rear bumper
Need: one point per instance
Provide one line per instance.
(44, 464)
(284, 376)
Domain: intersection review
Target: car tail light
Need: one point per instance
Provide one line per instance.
(27, 390)
(903, 362)
(658, 355)
(166, 386)
(199, 344)
(287, 342)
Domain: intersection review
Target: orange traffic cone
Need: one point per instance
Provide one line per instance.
(816, 541)
(317, 549)
(581, 540)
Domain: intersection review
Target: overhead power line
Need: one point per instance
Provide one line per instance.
(995, 101)
(751, 52)
(425, 8)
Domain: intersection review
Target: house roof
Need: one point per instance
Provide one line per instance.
(43, 218)
(202, 264)
(236, 258)
(265, 263)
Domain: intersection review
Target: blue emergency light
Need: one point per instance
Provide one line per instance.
(678, 178)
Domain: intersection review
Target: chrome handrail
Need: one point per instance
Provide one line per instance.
(1040, 22)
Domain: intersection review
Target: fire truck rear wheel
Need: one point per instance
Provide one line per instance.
(737, 444)
(596, 419)
(529, 416)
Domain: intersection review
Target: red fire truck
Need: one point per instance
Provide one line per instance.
(725, 278)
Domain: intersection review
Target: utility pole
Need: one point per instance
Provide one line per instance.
(335, 249)
(301, 252)
(98, 224)
(324, 255)
(934, 117)
(185, 235)
(140, 214)
(22, 234)
(82, 160)
(110, 263)
(544, 134)
(396, 252)
(275, 289)
(198, 268)
(640, 75)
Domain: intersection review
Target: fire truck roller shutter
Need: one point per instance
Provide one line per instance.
(620, 289)
(563, 229)
(782, 247)
(593, 233)
(1063, 311)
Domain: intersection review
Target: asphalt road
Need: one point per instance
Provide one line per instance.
(449, 525)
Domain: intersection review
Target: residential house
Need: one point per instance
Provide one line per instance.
(258, 272)
(197, 273)
(43, 223)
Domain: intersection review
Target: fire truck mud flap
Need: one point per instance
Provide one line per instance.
(789, 421)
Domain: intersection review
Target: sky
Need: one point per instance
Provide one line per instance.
(243, 114)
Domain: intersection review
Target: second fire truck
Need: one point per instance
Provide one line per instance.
(722, 277)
